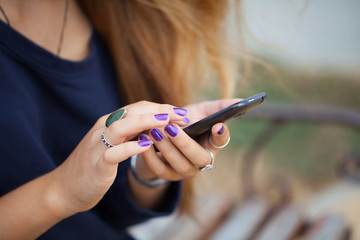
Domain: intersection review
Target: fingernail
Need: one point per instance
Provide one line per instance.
(180, 111)
(143, 137)
(144, 143)
(221, 131)
(162, 116)
(186, 120)
(156, 134)
(171, 130)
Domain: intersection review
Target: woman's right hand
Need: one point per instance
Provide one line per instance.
(86, 175)
(80, 182)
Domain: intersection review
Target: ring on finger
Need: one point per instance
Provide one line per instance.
(211, 164)
(218, 147)
(117, 115)
(103, 139)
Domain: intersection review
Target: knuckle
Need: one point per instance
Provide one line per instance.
(143, 102)
(102, 118)
(101, 121)
(115, 128)
(194, 171)
(166, 108)
(95, 134)
(184, 144)
(185, 169)
(107, 156)
(160, 172)
(127, 150)
(204, 159)
(142, 119)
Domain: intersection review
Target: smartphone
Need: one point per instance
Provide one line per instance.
(204, 125)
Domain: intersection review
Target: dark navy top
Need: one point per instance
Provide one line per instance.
(47, 105)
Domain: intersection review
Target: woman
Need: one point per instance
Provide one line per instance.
(64, 168)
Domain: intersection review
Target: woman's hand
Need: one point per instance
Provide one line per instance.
(90, 170)
(84, 177)
(180, 156)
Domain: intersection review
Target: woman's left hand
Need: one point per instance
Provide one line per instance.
(180, 156)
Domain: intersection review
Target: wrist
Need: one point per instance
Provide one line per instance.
(32, 207)
(151, 183)
(55, 197)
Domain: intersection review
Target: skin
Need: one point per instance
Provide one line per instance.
(81, 181)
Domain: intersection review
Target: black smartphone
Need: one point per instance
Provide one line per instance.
(204, 125)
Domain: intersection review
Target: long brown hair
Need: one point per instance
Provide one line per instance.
(162, 49)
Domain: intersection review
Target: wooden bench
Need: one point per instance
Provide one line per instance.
(255, 217)
(243, 221)
(328, 228)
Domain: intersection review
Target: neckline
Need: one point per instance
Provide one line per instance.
(26, 50)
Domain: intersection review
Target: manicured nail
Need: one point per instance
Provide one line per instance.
(143, 137)
(180, 111)
(186, 120)
(171, 130)
(221, 131)
(156, 134)
(144, 143)
(162, 116)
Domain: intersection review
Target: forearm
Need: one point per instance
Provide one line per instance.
(30, 210)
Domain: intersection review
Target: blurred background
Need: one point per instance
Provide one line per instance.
(302, 147)
(310, 56)
(309, 53)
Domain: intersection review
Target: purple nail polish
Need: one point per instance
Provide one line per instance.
(180, 111)
(171, 130)
(221, 131)
(186, 120)
(143, 137)
(156, 134)
(144, 143)
(162, 116)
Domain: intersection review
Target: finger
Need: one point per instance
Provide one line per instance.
(145, 107)
(193, 151)
(184, 122)
(219, 138)
(107, 164)
(159, 167)
(123, 151)
(174, 157)
(119, 130)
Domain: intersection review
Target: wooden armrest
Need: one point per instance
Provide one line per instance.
(209, 212)
(286, 224)
(244, 220)
(328, 228)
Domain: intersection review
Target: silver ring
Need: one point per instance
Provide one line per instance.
(219, 147)
(103, 139)
(211, 164)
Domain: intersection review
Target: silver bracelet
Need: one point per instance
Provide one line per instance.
(155, 183)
